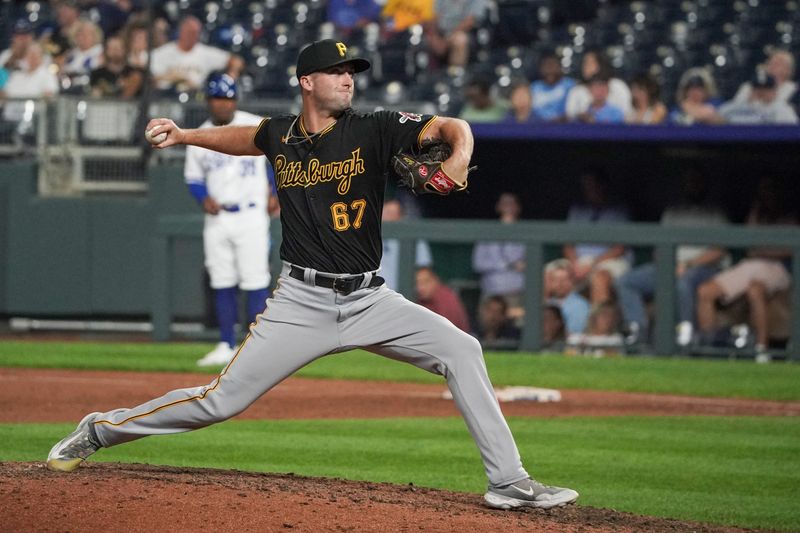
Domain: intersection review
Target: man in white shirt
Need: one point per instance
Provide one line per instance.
(184, 64)
(780, 66)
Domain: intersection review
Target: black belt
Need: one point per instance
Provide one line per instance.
(342, 284)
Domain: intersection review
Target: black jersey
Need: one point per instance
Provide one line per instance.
(331, 184)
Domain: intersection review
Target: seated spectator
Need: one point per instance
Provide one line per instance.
(597, 264)
(480, 104)
(87, 53)
(399, 15)
(448, 33)
(763, 106)
(184, 64)
(521, 111)
(779, 65)
(57, 40)
(441, 299)
(349, 16)
(554, 333)
(695, 265)
(390, 267)
(136, 35)
(35, 81)
(602, 336)
(761, 274)
(580, 98)
(116, 78)
(696, 99)
(600, 110)
(550, 90)
(647, 106)
(501, 264)
(559, 291)
(495, 329)
(22, 36)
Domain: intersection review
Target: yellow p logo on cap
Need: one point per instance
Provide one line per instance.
(342, 49)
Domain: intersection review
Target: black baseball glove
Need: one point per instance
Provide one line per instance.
(422, 172)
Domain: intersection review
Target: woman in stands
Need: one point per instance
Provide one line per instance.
(645, 97)
(697, 100)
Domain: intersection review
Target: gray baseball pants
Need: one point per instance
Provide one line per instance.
(303, 322)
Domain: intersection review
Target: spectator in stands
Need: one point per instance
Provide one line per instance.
(441, 299)
(696, 99)
(68, 15)
(135, 35)
(780, 65)
(760, 275)
(22, 35)
(695, 264)
(495, 329)
(480, 104)
(448, 34)
(763, 106)
(559, 290)
(111, 16)
(580, 98)
(597, 264)
(554, 333)
(600, 110)
(521, 111)
(501, 264)
(399, 15)
(36, 80)
(647, 105)
(61, 38)
(116, 78)
(349, 16)
(184, 64)
(551, 89)
(390, 261)
(88, 51)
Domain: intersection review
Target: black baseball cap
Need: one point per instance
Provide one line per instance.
(327, 53)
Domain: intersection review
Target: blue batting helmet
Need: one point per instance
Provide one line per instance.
(221, 85)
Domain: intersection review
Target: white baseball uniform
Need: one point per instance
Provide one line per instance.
(236, 239)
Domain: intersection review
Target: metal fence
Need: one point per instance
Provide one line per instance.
(88, 145)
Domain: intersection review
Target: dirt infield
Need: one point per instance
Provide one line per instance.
(31, 395)
(143, 498)
(134, 498)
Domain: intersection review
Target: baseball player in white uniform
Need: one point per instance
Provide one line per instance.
(233, 191)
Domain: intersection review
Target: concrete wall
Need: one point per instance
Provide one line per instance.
(90, 256)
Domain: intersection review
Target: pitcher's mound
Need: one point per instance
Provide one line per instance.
(134, 497)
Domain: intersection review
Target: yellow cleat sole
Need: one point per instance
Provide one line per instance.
(61, 465)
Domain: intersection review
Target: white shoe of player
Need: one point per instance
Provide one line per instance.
(221, 355)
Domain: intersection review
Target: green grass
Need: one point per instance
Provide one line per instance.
(741, 379)
(736, 471)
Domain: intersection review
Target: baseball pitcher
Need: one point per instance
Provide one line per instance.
(331, 165)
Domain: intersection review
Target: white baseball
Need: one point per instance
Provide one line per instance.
(158, 139)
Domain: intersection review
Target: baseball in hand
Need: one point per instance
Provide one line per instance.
(158, 139)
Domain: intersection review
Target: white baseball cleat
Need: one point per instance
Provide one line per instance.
(70, 452)
(221, 355)
(528, 493)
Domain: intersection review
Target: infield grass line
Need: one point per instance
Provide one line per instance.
(665, 375)
(724, 470)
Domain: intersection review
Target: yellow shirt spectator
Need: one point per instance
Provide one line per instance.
(400, 14)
